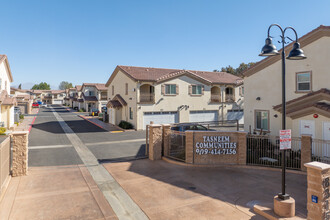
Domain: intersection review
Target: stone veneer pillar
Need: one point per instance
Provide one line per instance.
(242, 148)
(20, 153)
(155, 142)
(318, 175)
(306, 150)
(189, 147)
(166, 138)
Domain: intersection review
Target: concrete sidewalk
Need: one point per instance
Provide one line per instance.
(62, 192)
(168, 191)
(28, 121)
(106, 126)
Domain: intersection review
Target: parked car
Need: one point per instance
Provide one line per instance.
(43, 105)
(75, 108)
(104, 110)
(95, 111)
(190, 126)
(39, 102)
(35, 105)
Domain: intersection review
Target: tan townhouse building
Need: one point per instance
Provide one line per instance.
(140, 95)
(24, 99)
(52, 97)
(7, 102)
(94, 96)
(307, 90)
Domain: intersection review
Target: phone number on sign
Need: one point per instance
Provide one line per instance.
(215, 151)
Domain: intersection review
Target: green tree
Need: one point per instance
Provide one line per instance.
(65, 85)
(20, 86)
(236, 71)
(41, 86)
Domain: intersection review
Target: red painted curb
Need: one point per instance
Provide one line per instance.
(33, 121)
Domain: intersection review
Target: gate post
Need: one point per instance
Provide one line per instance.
(318, 175)
(189, 147)
(155, 142)
(20, 153)
(166, 138)
(306, 150)
(242, 139)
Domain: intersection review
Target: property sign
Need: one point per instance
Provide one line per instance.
(314, 199)
(215, 145)
(285, 139)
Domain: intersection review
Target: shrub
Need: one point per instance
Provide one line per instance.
(2, 130)
(21, 116)
(125, 125)
(82, 110)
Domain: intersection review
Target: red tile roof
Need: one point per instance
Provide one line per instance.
(99, 86)
(160, 74)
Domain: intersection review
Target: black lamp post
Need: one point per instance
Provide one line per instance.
(295, 54)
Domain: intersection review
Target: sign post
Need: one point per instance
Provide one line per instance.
(285, 144)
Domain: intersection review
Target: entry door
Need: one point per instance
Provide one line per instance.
(326, 137)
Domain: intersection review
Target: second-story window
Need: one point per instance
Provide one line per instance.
(303, 81)
(196, 89)
(5, 84)
(113, 90)
(126, 89)
(170, 89)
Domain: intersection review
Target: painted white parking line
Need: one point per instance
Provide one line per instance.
(115, 142)
(121, 203)
(48, 147)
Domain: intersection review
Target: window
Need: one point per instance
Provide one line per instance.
(113, 90)
(126, 89)
(262, 120)
(170, 89)
(6, 85)
(241, 91)
(303, 82)
(130, 113)
(196, 90)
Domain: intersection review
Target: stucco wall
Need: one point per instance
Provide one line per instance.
(119, 83)
(267, 85)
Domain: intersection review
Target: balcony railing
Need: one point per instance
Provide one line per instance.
(104, 97)
(215, 98)
(230, 98)
(147, 98)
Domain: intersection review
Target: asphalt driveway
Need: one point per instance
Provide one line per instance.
(50, 146)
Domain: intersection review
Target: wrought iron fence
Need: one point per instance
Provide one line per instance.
(321, 150)
(177, 146)
(223, 125)
(264, 150)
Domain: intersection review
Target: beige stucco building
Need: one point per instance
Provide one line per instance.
(140, 95)
(307, 90)
(93, 95)
(7, 102)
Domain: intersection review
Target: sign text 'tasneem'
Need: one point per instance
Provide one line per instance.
(216, 145)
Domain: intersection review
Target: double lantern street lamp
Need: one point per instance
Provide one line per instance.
(295, 54)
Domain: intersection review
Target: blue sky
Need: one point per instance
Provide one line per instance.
(83, 41)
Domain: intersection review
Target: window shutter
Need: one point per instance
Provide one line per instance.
(202, 89)
(163, 89)
(126, 89)
(177, 89)
(190, 89)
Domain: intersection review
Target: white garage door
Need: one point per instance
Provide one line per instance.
(160, 118)
(57, 102)
(203, 116)
(236, 114)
